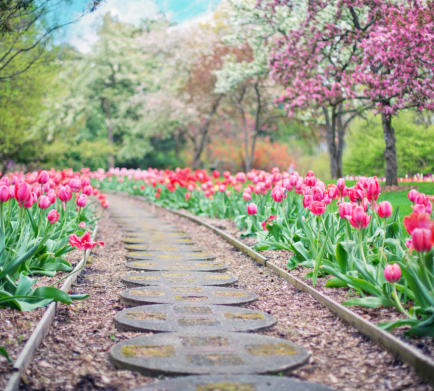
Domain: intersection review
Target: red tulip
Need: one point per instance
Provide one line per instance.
(84, 242)
(392, 272)
(416, 220)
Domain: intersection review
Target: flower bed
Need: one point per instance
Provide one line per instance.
(337, 231)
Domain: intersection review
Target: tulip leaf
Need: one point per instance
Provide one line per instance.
(5, 354)
(370, 302)
(341, 257)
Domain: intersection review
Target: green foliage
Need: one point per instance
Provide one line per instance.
(365, 146)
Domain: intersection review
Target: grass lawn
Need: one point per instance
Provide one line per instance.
(399, 199)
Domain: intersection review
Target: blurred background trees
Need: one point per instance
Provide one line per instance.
(250, 85)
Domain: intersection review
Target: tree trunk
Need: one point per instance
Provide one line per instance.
(335, 131)
(203, 134)
(105, 103)
(390, 151)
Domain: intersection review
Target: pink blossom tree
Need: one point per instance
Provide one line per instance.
(398, 66)
(346, 55)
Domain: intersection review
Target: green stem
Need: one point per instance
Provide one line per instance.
(398, 303)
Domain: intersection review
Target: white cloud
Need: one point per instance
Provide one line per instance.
(83, 33)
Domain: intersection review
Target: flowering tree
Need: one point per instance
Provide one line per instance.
(346, 51)
(397, 67)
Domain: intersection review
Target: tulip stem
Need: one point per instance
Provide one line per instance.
(398, 303)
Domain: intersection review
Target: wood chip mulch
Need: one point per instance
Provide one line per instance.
(74, 355)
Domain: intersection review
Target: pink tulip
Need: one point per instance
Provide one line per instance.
(75, 184)
(412, 195)
(392, 272)
(252, 209)
(82, 200)
(421, 239)
(307, 200)
(317, 207)
(340, 184)
(22, 192)
(29, 203)
(43, 177)
(44, 202)
(53, 216)
(87, 190)
(359, 218)
(373, 190)
(4, 193)
(345, 210)
(384, 209)
(64, 193)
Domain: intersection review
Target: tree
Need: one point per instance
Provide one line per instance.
(313, 62)
(414, 146)
(397, 68)
(26, 27)
(245, 78)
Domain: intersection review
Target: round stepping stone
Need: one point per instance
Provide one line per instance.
(167, 317)
(233, 383)
(194, 266)
(208, 353)
(166, 255)
(186, 295)
(178, 278)
(162, 247)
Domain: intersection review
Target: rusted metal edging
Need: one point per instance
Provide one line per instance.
(422, 364)
(43, 327)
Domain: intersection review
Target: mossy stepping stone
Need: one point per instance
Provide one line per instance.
(162, 247)
(194, 266)
(185, 278)
(208, 353)
(233, 383)
(168, 317)
(185, 295)
(172, 256)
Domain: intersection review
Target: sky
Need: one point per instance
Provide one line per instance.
(82, 34)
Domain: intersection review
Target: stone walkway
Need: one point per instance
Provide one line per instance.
(199, 333)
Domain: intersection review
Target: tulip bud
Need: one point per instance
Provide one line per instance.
(44, 202)
(392, 272)
(421, 239)
(43, 177)
(252, 209)
(53, 216)
(384, 209)
(412, 195)
(4, 193)
(22, 192)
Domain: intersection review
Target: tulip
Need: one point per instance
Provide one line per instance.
(75, 184)
(421, 239)
(252, 209)
(64, 193)
(317, 207)
(340, 184)
(53, 216)
(412, 195)
(43, 177)
(87, 190)
(392, 272)
(44, 202)
(359, 218)
(32, 199)
(373, 190)
(307, 200)
(4, 193)
(345, 210)
(22, 192)
(187, 196)
(82, 200)
(384, 209)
